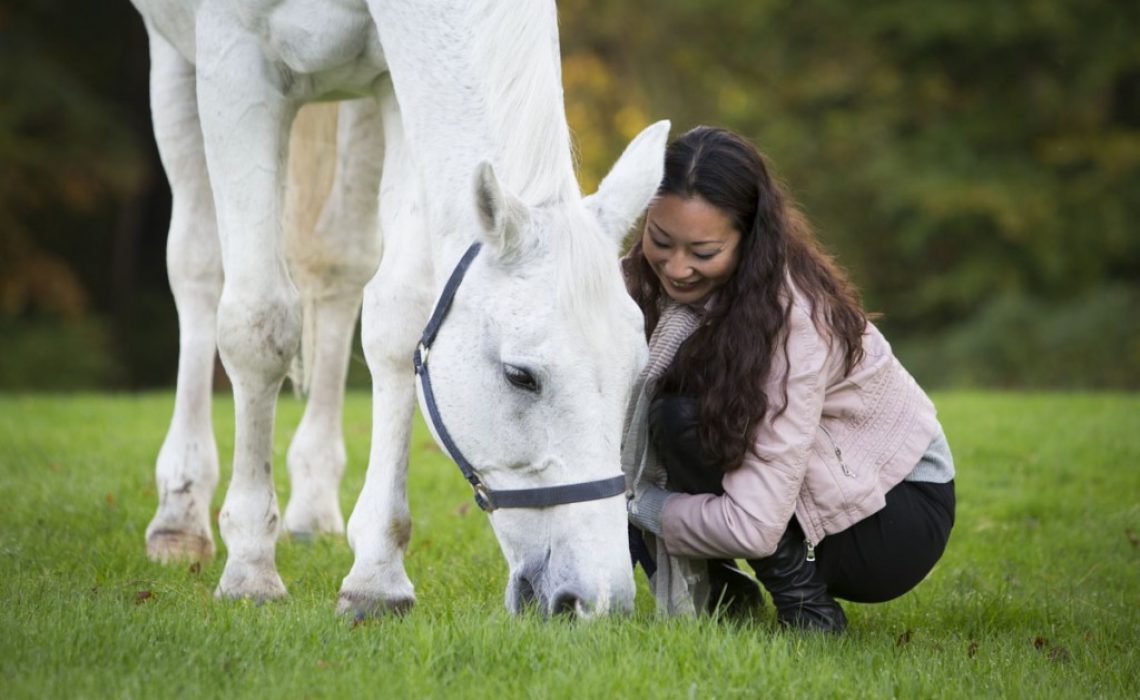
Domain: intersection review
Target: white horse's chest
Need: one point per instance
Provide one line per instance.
(333, 42)
(330, 47)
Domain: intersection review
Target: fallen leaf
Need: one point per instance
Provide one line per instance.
(196, 568)
(1040, 643)
(972, 650)
(1132, 538)
(110, 498)
(1059, 654)
(143, 596)
(903, 638)
(463, 508)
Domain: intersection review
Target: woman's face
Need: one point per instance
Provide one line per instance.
(691, 246)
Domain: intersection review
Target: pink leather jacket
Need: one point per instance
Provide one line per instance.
(830, 458)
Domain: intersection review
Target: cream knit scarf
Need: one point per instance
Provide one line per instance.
(680, 585)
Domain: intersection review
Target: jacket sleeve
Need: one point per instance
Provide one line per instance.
(760, 496)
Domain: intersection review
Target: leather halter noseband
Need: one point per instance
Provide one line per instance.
(487, 499)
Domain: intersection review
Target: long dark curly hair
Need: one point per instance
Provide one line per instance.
(727, 360)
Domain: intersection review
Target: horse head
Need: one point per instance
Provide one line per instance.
(532, 372)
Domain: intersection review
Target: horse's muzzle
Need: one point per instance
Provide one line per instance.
(533, 588)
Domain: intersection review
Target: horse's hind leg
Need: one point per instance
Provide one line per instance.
(396, 304)
(331, 261)
(245, 119)
(187, 469)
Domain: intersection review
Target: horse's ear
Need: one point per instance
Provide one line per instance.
(630, 184)
(502, 215)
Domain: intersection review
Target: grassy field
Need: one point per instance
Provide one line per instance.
(1036, 597)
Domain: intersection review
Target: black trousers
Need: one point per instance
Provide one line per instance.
(878, 558)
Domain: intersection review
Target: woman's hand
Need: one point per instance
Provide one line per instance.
(646, 506)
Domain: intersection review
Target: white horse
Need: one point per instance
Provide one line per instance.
(460, 128)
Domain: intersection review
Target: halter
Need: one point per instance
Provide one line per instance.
(487, 499)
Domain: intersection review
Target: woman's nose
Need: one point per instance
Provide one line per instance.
(677, 267)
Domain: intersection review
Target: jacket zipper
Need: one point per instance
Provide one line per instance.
(838, 452)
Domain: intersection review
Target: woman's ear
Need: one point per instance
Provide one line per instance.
(630, 184)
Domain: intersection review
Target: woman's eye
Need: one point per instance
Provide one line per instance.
(659, 244)
(705, 256)
(520, 378)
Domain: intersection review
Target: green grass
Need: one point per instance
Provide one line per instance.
(1036, 597)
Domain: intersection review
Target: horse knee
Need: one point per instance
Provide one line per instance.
(258, 336)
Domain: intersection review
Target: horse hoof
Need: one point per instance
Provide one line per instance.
(303, 537)
(172, 546)
(250, 583)
(312, 533)
(363, 606)
(309, 525)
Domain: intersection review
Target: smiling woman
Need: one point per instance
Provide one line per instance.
(772, 410)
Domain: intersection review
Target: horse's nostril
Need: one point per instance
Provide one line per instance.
(526, 594)
(566, 602)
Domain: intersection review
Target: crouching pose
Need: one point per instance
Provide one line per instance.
(772, 423)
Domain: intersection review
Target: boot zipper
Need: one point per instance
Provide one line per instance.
(810, 550)
(838, 452)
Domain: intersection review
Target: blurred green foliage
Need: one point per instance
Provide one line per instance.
(975, 166)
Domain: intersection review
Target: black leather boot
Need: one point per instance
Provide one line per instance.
(801, 599)
(732, 593)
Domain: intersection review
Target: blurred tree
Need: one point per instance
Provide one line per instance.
(77, 177)
(952, 154)
(974, 165)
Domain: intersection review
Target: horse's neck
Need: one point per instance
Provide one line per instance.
(480, 80)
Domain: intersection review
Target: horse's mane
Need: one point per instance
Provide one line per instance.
(516, 46)
(525, 109)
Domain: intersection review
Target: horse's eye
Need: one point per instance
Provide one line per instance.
(520, 378)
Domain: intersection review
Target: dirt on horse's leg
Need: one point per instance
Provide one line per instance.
(186, 473)
(245, 120)
(396, 304)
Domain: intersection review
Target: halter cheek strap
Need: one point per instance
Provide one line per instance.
(485, 497)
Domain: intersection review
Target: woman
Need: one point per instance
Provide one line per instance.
(787, 432)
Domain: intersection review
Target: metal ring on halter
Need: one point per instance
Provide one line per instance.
(483, 497)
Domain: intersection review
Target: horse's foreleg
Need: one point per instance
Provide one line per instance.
(331, 264)
(245, 120)
(187, 469)
(396, 304)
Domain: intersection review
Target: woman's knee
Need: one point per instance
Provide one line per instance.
(674, 422)
(890, 553)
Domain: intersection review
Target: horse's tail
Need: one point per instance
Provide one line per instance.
(312, 165)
